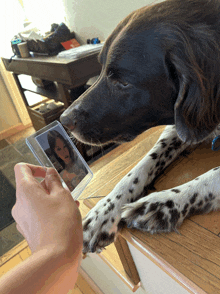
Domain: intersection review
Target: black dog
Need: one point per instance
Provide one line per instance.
(161, 65)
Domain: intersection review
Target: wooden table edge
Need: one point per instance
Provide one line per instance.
(161, 263)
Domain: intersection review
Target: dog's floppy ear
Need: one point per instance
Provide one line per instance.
(193, 112)
(197, 106)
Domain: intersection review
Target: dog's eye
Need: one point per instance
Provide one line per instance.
(116, 80)
(123, 83)
(120, 83)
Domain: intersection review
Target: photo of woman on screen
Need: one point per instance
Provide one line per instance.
(73, 171)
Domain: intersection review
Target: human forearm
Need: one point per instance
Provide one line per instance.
(49, 219)
(45, 271)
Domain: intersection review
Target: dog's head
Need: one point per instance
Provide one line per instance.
(159, 66)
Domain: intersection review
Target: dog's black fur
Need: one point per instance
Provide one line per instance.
(160, 65)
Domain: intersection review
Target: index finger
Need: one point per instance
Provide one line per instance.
(28, 171)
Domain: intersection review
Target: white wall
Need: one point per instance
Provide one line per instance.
(8, 114)
(105, 279)
(154, 280)
(98, 18)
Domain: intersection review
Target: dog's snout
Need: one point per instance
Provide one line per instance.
(67, 121)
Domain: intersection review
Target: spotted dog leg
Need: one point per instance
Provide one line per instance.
(101, 223)
(165, 211)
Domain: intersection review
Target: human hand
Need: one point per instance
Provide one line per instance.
(45, 213)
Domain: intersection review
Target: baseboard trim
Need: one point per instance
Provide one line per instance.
(13, 130)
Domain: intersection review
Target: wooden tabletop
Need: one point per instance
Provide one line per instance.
(194, 254)
(73, 72)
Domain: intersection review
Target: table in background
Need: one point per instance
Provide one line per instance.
(65, 73)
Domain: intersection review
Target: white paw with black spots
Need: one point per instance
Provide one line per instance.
(165, 211)
(155, 213)
(100, 226)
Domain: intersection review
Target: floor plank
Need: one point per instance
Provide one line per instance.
(76, 290)
(10, 264)
(84, 287)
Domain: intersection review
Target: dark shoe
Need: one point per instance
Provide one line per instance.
(51, 44)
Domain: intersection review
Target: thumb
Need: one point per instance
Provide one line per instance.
(52, 180)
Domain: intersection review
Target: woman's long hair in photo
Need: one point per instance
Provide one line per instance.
(52, 136)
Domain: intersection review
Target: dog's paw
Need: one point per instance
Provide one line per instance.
(100, 226)
(154, 213)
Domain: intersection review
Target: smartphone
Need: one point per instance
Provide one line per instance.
(52, 147)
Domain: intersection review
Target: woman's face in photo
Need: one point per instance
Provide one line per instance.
(62, 151)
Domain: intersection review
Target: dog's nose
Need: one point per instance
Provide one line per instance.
(67, 121)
